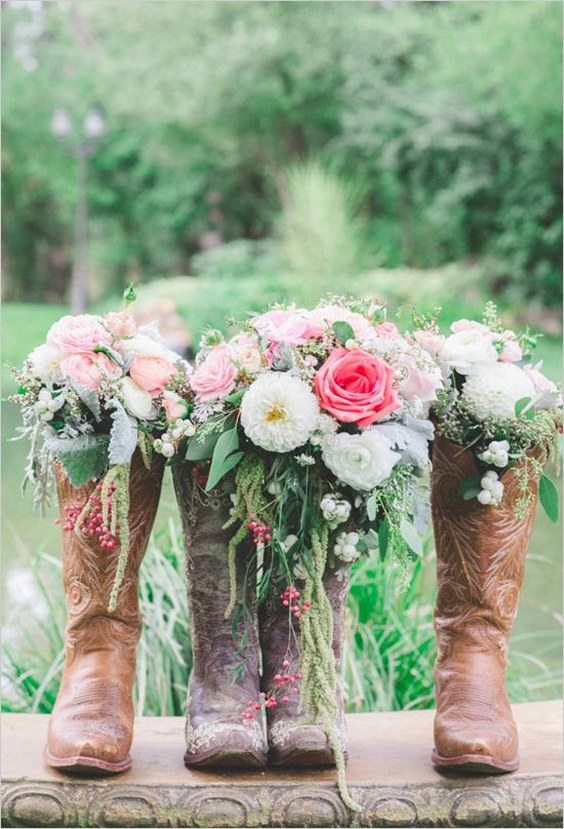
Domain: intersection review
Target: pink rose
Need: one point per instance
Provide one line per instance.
(121, 324)
(78, 335)
(175, 407)
(321, 319)
(283, 326)
(215, 377)
(89, 369)
(388, 330)
(356, 387)
(511, 351)
(417, 384)
(151, 373)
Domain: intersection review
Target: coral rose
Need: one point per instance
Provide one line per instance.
(356, 387)
(151, 373)
(89, 369)
(78, 335)
(215, 377)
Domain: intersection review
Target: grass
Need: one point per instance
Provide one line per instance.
(388, 656)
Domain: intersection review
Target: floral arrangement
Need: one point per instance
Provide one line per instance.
(496, 402)
(316, 423)
(97, 389)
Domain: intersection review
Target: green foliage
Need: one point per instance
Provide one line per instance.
(549, 498)
(83, 458)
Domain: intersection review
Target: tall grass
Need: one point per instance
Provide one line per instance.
(388, 655)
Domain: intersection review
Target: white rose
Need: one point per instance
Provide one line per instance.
(45, 362)
(362, 461)
(494, 390)
(467, 349)
(137, 401)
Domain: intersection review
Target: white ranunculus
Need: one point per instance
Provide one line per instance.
(137, 401)
(279, 412)
(467, 349)
(362, 461)
(45, 362)
(493, 391)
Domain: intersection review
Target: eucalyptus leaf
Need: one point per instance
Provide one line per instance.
(411, 537)
(235, 397)
(228, 464)
(521, 405)
(549, 498)
(222, 462)
(343, 331)
(383, 538)
(469, 488)
(202, 445)
(83, 458)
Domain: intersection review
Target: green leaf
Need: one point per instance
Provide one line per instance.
(343, 331)
(549, 498)
(82, 458)
(236, 397)
(222, 460)
(522, 404)
(130, 294)
(371, 508)
(469, 488)
(383, 538)
(203, 448)
(411, 537)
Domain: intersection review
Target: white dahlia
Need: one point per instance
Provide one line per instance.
(493, 391)
(362, 461)
(279, 412)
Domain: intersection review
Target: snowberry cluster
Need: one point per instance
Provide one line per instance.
(168, 442)
(290, 598)
(46, 405)
(497, 453)
(334, 510)
(92, 523)
(492, 489)
(262, 533)
(285, 685)
(345, 546)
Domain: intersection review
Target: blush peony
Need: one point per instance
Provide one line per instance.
(215, 377)
(283, 326)
(78, 335)
(356, 387)
(151, 373)
(89, 369)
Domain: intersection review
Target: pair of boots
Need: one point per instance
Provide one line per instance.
(91, 727)
(480, 565)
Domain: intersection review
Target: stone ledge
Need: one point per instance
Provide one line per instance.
(389, 773)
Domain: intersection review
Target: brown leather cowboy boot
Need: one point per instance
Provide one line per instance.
(225, 652)
(91, 726)
(480, 564)
(292, 741)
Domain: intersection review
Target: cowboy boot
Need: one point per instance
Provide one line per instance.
(225, 652)
(91, 727)
(480, 564)
(292, 740)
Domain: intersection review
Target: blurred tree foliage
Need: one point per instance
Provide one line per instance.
(445, 118)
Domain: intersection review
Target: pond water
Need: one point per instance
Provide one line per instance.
(538, 629)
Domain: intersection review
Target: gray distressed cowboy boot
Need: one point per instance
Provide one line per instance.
(225, 665)
(292, 740)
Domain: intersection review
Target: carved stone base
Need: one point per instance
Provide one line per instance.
(389, 772)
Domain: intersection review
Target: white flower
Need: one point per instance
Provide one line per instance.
(144, 345)
(137, 401)
(362, 461)
(345, 546)
(279, 412)
(334, 510)
(305, 460)
(494, 390)
(45, 363)
(492, 489)
(497, 453)
(468, 348)
(299, 571)
(326, 426)
(289, 542)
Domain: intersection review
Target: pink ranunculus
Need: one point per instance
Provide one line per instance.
(78, 335)
(288, 326)
(511, 351)
(321, 319)
(418, 384)
(175, 407)
(388, 330)
(151, 373)
(469, 325)
(215, 377)
(356, 387)
(121, 324)
(89, 369)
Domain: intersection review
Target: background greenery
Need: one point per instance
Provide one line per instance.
(277, 151)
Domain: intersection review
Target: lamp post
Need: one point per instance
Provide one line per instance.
(93, 128)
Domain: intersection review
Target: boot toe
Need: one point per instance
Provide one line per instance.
(97, 743)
